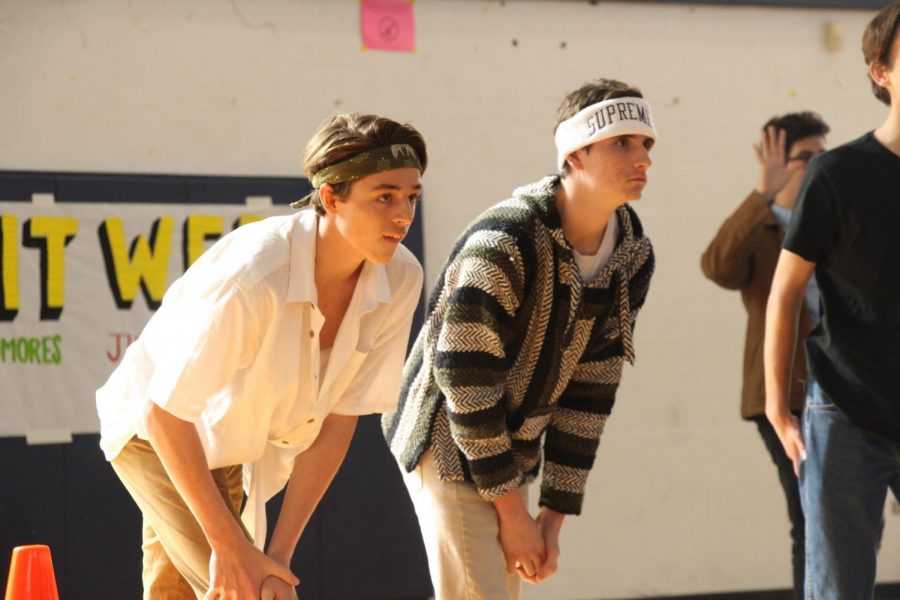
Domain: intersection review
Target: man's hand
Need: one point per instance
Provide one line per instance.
(550, 522)
(788, 429)
(523, 547)
(238, 572)
(770, 153)
(274, 588)
(520, 537)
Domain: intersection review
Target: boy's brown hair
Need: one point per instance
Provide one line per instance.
(878, 43)
(346, 135)
(798, 126)
(590, 93)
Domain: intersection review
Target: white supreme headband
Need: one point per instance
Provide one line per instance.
(610, 118)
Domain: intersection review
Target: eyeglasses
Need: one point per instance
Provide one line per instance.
(804, 157)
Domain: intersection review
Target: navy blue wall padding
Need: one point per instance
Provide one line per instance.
(362, 543)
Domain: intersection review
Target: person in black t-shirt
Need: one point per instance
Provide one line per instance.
(844, 228)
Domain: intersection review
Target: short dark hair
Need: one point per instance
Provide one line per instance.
(590, 93)
(343, 136)
(798, 126)
(878, 41)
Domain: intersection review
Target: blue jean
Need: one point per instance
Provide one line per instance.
(843, 487)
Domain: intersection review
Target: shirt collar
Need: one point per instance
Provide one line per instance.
(376, 288)
(782, 215)
(373, 284)
(541, 196)
(302, 283)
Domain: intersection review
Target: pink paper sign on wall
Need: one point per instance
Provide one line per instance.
(387, 25)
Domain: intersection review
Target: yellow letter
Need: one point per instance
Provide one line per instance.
(147, 264)
(9, 268)
(244, 219)
(198, 229)
(51, 234)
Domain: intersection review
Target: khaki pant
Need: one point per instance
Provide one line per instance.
(176, 553)
(462, 537)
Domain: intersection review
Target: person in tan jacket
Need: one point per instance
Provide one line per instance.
(742, 256)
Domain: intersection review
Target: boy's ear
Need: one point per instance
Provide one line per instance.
(878, 73)
(328, 197)
(574, 160)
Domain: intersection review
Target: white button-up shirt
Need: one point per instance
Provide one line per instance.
(234, 348)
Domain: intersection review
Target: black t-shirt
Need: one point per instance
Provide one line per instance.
(847, 221)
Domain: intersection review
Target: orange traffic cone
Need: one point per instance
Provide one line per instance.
(31, 575)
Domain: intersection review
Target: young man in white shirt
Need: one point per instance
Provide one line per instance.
(259, 362)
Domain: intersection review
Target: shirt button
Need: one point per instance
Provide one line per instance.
(312, 334)
(285, 442)
(310, 420)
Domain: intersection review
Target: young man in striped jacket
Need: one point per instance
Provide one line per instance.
(527, 331)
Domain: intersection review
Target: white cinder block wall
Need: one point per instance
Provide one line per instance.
(683, 498)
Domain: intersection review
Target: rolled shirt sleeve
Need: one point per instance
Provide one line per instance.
(197, 342)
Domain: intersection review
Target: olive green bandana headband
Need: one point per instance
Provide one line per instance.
(395, 156)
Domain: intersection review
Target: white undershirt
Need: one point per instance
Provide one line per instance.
(590, 265)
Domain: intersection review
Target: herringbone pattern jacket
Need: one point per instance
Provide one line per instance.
(516, 349)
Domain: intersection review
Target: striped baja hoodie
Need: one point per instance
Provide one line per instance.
(516, 350)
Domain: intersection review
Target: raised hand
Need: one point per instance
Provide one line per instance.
(770, 153)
